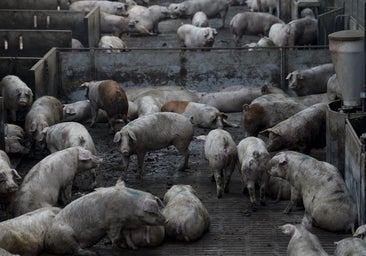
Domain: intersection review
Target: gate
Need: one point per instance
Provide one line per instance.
(330, 22)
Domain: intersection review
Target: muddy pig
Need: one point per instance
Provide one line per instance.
(302, 242)
(321, 188)
(24, 235)
(253, 158)
(109, 96)
(50, 180)
(17, 95)
(153, 132)
(7, 175)
(45, 111)
(191, 36)
(14, 139)
(107, 212)
(187, 218)
(221, 153)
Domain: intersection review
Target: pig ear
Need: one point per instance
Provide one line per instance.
(282, 158)
(16, 174)
(289, 76)
(288, 229)
(117, 137)
(132, 135)
(84, 85)
(120, 183)
(83, 154)
(160, 203)
(214, 31)
(44, 131)
(150, 206)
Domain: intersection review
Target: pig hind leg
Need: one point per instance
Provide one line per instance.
(94, 110)
(140, 164)
(183, 149)
(218, 175)
(251, 191)
(228, 171)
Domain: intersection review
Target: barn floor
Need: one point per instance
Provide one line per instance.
(232, 231)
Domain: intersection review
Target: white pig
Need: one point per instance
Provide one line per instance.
(7, 175)
(110, 7)
(144, 236)
(14, 139)
(352, 246)
(112, 42)
(334, 90)
(6, 253)
(50, 180)
(153, 132)
(253, 158)
(80, 111)
(200, 19)
(186, 217)
(17, 95)
(24, 234)
(303, 242)
(302, 131)
(158, 13)
(106, 212)
(191, 36)
(221, 153)
(200, 115)
(210, 7)
(45, 111)
(251, 23)
(116, 25)
(321, 188)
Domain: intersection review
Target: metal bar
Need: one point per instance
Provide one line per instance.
(2, 132)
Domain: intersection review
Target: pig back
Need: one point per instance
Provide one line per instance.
(113, 98)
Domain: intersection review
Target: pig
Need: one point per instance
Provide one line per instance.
(200, 19)
(266, 98)
(6, 253)
(110, 7)
(233, 101)
(144, 236)
(262, 5)
(153, 132)
(109, 96)
(278, 188)
(210, 7)
(221, 153)
(250, 23)
(351, 246)
(200, 115)
(334, 90)
(321, 188)
(158, 13)
(24, 234)
(310, 81)
(279, 34)
(134, 92)
(18, 97)
(14, 139)
(263, 42)
(257, 117)
(302, 131)
(302, 242)
(50, 180)
(76, 44)
(253, 158)
(112, 42)
(191, 36)
(312, 99)
(186, 217)
(8, 187)
(111, 210)
(116, 25)
(80, 111)
(68, 134)
(45, 111)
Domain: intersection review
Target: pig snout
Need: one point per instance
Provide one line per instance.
(8, 187)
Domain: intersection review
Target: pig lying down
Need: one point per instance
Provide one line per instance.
(50, 181)
(186, 217)
(24, 235)
(321, 188)
(153, 132)
(105, 212)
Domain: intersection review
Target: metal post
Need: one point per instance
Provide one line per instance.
(2, 132)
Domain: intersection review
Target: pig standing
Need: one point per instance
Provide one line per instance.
(106, 212)
(191, 36)
(302, 131)
(158, 13)
(14, 139)
(45, 111)
(310, 81)
(251, 23)
(50, 180)
(321, 188)
(200, 19)
(200, 115)
(110, 7)
(186, 217)
(210, 7)
(17, 95)
(259, 116)
(221, 153)
(7, 175)
(25, 234)
(253, 158)
(153, 132)
(109, 96)
(303, 242)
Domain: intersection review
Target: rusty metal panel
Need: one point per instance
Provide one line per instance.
(35, 5)
(32, 43)
(355, 164)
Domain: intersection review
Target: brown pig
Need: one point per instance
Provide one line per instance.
(50, 180)
(106, 212)
(17, 95)
(187, 218)
(45, 111)
(109, 96)
(25, 234)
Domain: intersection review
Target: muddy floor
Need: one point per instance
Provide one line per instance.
(232, 231)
